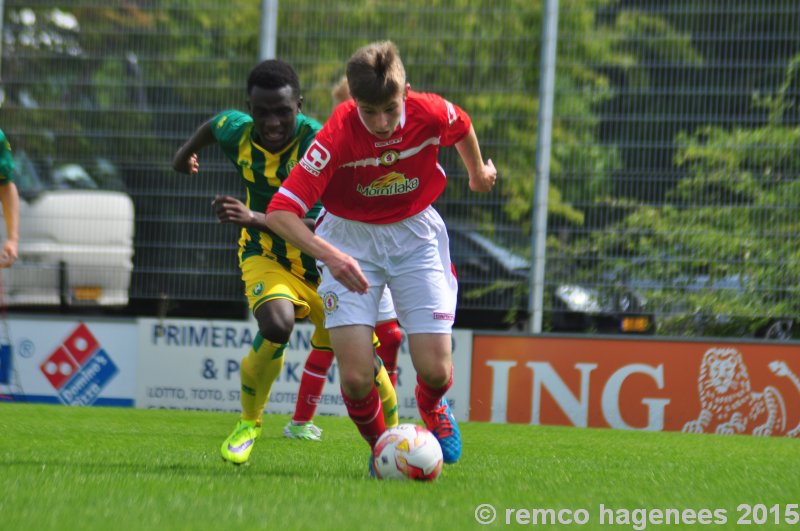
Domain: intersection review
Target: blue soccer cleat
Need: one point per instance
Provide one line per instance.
(444, 427)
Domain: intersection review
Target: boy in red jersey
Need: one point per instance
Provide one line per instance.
(315, 370)
(374, 166)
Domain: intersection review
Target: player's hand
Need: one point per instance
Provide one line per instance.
(188, 165)
(346, 270)
(9, 254)
(486, 180)
(230, 210)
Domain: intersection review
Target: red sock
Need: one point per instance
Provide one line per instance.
(311, 383)
(367, 415)
(390, 336)
(428, 397)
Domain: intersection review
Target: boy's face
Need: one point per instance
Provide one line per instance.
(274, 113)
(381, 120)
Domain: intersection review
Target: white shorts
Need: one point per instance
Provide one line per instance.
(386, 309)
(411, 257)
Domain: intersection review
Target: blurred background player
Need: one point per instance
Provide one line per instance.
(280, 281)
(9, 199)
(375, 167)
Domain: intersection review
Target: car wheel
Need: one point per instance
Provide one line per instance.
(780, 330)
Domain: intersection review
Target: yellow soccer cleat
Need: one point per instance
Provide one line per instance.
(237, 447)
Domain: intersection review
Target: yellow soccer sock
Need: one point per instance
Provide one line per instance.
(259, 369)
(388, 397)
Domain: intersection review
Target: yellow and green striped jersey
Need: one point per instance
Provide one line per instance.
(262, 173)
(6, 160)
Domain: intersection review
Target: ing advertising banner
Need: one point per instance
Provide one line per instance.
(696, 387)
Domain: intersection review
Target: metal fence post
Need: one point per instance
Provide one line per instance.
(543, 144)
(268, 37)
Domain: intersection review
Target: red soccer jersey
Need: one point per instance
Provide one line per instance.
(361, 177)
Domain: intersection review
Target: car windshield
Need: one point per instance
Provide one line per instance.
(33, 177)
(27, 177)
(511, 260)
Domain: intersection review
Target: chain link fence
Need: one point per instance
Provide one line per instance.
(674, 189)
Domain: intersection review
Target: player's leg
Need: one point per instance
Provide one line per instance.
(350, 318)
(432, 360)
(312, 382)
(425, 291)
(388, 331)
(258, 371)
(315, 372)
(271, 295)
(386, 392)
(389, 337)
(354, 354)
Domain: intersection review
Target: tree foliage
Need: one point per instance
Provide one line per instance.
(674, 142)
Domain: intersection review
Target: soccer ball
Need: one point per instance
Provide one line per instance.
(407, 451)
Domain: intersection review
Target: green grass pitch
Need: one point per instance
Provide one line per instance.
(67, 468)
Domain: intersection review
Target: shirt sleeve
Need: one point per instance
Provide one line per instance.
(456, 123)
(307, 181)
(227, 128)
(6, 161)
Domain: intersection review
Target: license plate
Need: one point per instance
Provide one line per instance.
(635, 324)
(87, 293)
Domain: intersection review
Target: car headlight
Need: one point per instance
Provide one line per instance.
(631, 301)
(624, 302)
(578, 298)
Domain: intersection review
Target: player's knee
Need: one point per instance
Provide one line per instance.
(276, 332)
(276, 320)
(356, 384)
(437, 375)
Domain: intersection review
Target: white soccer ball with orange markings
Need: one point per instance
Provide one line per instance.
(407, 451)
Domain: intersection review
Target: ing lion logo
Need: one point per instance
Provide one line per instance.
(728, 401)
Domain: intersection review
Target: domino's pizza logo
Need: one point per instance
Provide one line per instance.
(79, 369)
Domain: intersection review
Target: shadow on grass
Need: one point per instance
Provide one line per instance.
(168, 470)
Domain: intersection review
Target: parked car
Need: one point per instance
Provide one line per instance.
(581, 308)
(693, 306)
(493, 293)
(76, 240)
(492, 282)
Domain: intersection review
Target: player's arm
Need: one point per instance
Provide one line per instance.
(9, 198)
(481, 176)
(230, 210)
(344, 268)
(185, 159)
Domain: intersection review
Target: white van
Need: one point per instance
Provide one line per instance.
(75, 241)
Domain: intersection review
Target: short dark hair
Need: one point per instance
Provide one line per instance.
(273, 74)
(376, 73)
